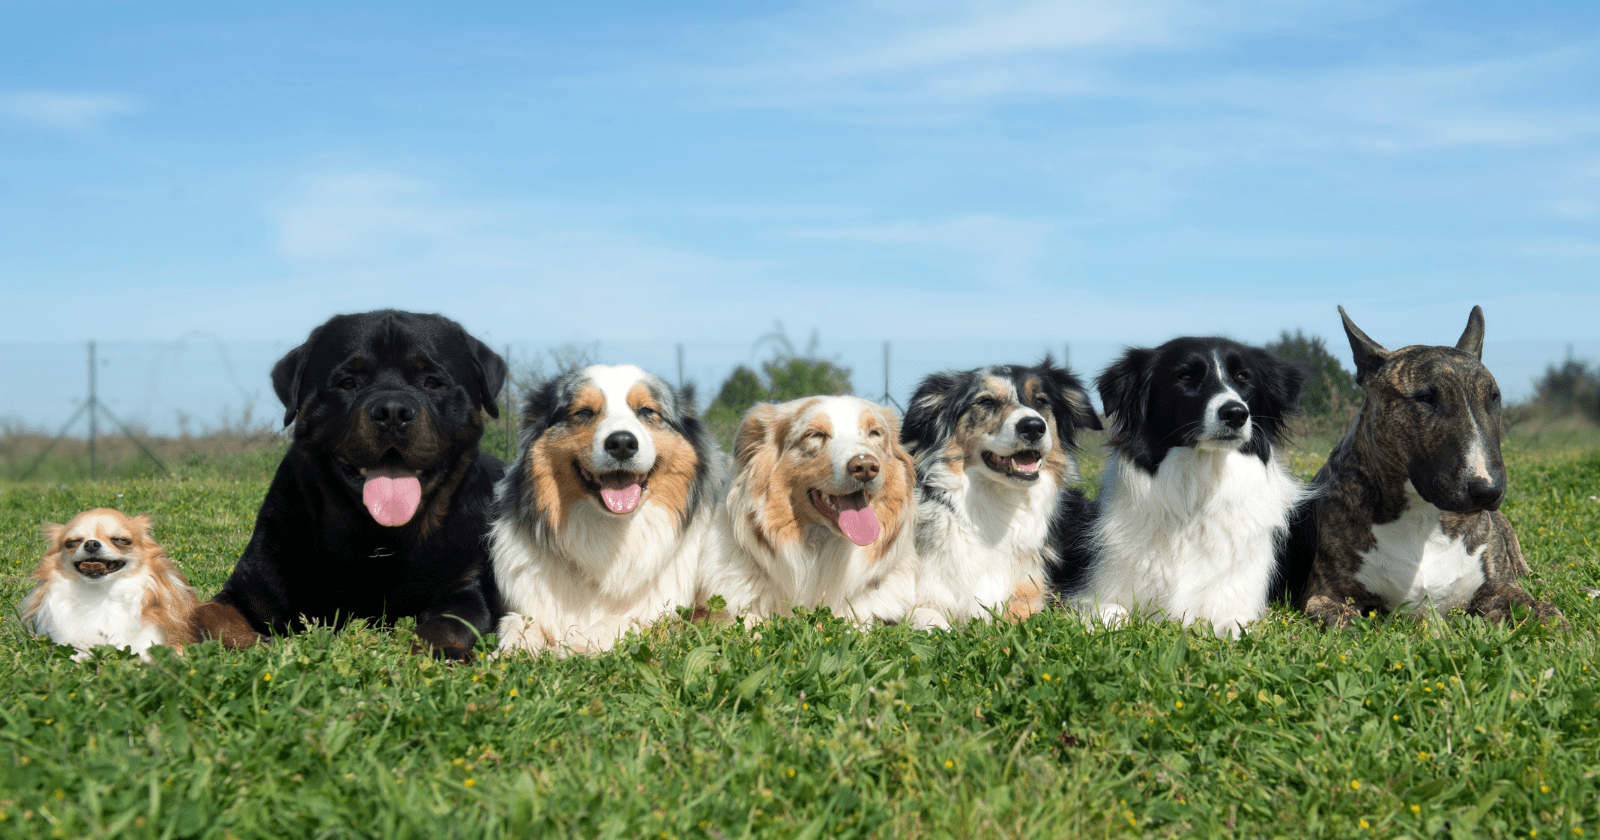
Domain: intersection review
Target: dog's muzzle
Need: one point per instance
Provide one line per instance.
(98, 568)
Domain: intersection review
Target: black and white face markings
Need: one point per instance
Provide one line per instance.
(1206, 393)
(1007, 423)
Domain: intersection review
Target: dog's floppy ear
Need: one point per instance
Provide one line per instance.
(288, 377)
(1069, 401)
(763, 425)
(491, 373)
(1279, 386)
(926, 422)
(1369, 354)
(1122, 389)
(1472, 340)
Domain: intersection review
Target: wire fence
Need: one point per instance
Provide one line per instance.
(203, 394)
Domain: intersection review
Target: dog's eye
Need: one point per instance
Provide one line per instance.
(122, 541)
(583, 415)
(647, 414)
(877, 433)
(432, 382)
(72, 543)
(986, 403)
(348, 383)
(1427, 397)
(1041, 403)
(1242, 376)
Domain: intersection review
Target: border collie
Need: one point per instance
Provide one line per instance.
(819, 513)
(105, 581)
(994, 454)
(601, 520)
(1194, 501)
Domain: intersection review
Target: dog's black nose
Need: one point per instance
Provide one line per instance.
(621, 445)
(393, 412)
(1486, 495)
(1235, 414)
(1031, 429)
(92, 546)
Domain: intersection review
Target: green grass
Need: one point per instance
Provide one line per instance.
(806, 727)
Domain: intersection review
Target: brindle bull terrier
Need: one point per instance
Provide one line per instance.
(1407, 506)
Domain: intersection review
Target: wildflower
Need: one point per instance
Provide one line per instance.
(470, 782)
(267, 677)
(1416, 809)
(949, 764)
(1355, 784)
(513, 692)
(1364, 824)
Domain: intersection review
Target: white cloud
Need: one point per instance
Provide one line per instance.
(53, 109)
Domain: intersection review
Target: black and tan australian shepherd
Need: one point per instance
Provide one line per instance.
(994, 455)
(380, 506)
(601, 520)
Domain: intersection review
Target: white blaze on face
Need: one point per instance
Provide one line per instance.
(1214, 429)
(850, 507)
(620, 486)
(1477, 447)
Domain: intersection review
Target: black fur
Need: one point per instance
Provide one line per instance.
(1156, 397)
(316, 553)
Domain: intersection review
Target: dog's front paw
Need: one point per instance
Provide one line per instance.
(1332, 614)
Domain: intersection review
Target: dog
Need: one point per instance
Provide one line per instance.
(993, 449)
(381, 506)
(1194, 502)
(819, 513)
(601, 522)
(1407, 505)
(105, 581)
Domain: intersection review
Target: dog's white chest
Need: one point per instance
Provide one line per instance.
(84, 615)
(1415, 562)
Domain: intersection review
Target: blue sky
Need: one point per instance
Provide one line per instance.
(960, 179)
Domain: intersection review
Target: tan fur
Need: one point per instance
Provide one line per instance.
(1028, 599)
(557, 485)
(776, 550)
(673, 475)
(167, 604)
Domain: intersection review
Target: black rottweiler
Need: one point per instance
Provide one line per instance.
(381, 506)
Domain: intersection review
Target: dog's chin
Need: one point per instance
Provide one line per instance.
(97, 569)
(620, 492)
(1023, 466)
(1235, 442)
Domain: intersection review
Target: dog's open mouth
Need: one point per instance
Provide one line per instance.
(853, 514)
(1022, 464)
(620, 491)
(98, 568)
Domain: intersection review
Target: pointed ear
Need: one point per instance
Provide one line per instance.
(926, 424)
(142, 523)
(1472, 340)
(491, 373)
(1369, 354)
(1122, 389)
(52, 532)
(288, 378)
(763, 426)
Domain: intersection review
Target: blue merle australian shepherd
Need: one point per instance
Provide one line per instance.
(994, 454)
(601, 521)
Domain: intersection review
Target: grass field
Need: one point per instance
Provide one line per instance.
(808, 728)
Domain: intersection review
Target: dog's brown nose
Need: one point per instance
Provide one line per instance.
(864, 468)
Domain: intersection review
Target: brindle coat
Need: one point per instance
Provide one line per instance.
(1427, 436)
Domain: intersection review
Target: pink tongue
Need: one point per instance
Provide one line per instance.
(1030, 466)
(620, 497)
(857, 520)
(391, 495)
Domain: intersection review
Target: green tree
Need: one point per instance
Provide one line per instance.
(1570, 386)
(787, 375)
(1330, 389)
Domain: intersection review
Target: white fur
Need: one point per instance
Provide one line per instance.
(1195, 542)
(581, 587)
(973, 559)
(823, 568)
(75, 610)
(1415, 562)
